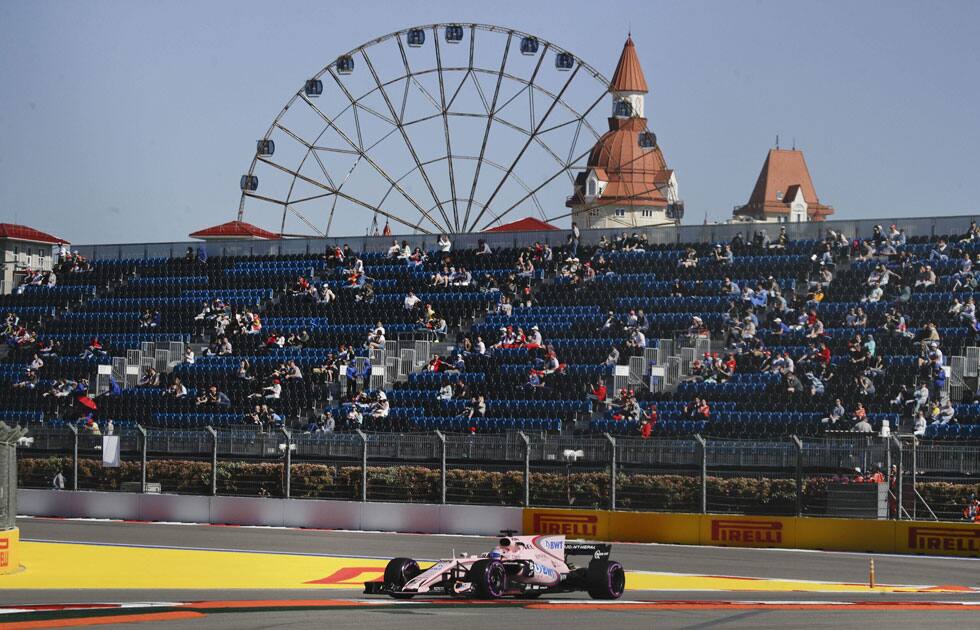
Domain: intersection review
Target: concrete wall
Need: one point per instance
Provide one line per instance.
(301, 513)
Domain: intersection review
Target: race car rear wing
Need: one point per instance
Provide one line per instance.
(599, 551)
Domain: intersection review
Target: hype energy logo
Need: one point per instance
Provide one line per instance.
(942, 539)
(746, 532)
(566, 523)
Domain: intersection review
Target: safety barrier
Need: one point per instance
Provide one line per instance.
(828, 534)
(9, 551)
(300, 513)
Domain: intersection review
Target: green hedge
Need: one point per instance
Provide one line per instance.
(637, 491)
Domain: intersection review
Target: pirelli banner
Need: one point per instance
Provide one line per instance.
(930, 538)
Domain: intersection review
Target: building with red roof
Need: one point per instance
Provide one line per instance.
(24, 248)
(627, 182)
(237, 230)
(784, 191)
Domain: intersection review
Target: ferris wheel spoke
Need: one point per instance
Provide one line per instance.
(323, 169)
(445, 128)
(398, 124)
(568, 166)
(520, 154)
(368, 159)
(486, 131)
(353, 103)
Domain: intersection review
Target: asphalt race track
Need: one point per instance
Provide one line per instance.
(789, 603)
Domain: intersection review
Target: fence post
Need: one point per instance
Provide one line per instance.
(442, 466)
(612, 471)
(288, 462)
(799, 474)
(527, 468)
(899, 486)
(142, 431)
(214, 460)
(74, 457)
(915, 493)
(703, 457)
(364, 474)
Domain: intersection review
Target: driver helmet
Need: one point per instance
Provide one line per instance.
(496, 555)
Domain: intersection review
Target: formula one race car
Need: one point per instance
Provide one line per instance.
(519, 566)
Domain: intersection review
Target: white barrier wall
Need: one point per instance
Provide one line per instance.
(301, 513)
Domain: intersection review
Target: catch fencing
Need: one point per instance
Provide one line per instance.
(829, 476)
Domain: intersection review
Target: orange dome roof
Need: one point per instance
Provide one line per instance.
(634, 172)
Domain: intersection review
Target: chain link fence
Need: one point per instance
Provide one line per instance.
(856, 476)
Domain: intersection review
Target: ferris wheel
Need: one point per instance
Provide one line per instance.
(444, 128)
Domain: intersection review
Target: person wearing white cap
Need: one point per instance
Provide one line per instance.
(534, 339)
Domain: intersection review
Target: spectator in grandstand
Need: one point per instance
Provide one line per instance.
(188, 358)
(150, 378)
(534, 380)
(29, 381)
(574, 239)
(411, 301)
(946, 412)
(689, 260)
(477, 408)
(380, 408)
(835, 415)
(445, 392)
(860, 418)
(482, 249)
(376, 338)
(272, 391)
(613, 357)
(637, 340)
(919, 424)
(925, 278)
(177, 389)
(971, 513)
(94, 350)
(444, 246)
(293, 371)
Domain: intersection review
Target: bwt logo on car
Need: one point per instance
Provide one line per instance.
(543, 570)
(757, 532)
(940, 539)
(568, 524)
(555, 545)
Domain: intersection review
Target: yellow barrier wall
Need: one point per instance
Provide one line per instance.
(9, 551)
(748, 531)
(841, 534)
(830, 534)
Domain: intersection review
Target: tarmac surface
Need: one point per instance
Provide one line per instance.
(789, 604)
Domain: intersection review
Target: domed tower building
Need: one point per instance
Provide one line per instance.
(626, 182)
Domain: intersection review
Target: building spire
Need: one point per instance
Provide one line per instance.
(628, 76)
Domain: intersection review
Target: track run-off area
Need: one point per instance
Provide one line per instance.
(84, 572)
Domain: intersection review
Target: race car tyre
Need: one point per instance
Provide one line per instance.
(489, 578)
(398, 572)
(606, 579)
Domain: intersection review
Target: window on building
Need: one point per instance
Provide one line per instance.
(647, 212)
(592, 188)
(779, 195)
(594, 212)
(620, 212)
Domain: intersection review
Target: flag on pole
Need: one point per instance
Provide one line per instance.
(110, 451)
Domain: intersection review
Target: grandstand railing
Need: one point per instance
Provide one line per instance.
(922, 226)
(924, 480)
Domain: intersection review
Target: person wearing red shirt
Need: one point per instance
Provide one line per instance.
(597, 394)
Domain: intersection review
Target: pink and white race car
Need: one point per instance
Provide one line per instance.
(519, 566)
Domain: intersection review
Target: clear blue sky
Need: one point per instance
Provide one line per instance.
(131, 121)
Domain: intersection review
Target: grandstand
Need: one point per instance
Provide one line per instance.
(249, 321)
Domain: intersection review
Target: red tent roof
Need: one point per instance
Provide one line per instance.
(527, 224)
(24, 233)
(234, 229)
